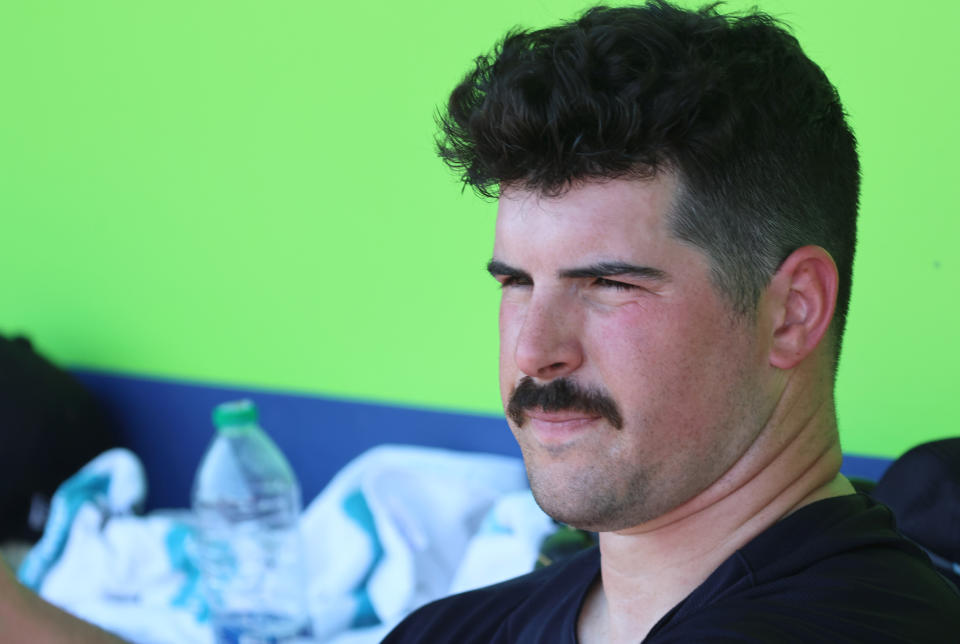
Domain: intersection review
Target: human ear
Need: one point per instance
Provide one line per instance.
(803, 296)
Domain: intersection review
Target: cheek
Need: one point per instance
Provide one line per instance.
(629, 342)
(506, 324)
(508, 328)
(667, 368)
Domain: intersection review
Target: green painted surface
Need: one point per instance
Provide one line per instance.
(245, 193)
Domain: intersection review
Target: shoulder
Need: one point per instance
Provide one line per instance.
(834, 571)
(545, 601)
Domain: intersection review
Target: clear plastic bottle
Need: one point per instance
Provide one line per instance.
(247, 504)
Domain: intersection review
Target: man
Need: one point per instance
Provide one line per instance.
(677, 217)
(677, 203)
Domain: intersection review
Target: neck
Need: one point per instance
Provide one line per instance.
(648, 569)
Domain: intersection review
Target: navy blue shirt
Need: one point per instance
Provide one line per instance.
(833, 571)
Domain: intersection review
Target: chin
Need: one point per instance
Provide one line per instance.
(582, 518)
(590, 500)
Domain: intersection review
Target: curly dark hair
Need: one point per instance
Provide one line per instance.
(752, 128)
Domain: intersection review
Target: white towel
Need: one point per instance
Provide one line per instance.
(132, 575)
(506, 545)
(397, 527)
(388, 533)
(113, 482)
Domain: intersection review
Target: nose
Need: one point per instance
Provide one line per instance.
(548, 344)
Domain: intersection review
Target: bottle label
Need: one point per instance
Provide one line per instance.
(260, 628)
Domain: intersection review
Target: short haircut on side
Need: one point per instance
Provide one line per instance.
(752, 128)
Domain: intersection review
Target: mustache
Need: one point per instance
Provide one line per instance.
(561, 394)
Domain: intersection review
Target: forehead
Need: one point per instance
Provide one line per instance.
(617, 216)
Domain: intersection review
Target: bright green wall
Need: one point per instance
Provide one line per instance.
(245, 192)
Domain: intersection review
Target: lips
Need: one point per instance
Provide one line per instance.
(559, 417)
(554, 428)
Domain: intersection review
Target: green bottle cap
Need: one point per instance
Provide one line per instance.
(235, 412)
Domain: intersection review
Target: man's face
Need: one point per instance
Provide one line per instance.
(638, 386)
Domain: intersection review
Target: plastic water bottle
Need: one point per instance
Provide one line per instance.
(247, 504)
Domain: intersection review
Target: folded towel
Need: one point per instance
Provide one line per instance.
(113, 482)
(134, 576)
(507, 543)
(397, 527)
(388, 533)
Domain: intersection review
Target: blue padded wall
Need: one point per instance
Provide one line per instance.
(167, 424)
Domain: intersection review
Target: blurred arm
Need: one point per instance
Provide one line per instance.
(25, 617)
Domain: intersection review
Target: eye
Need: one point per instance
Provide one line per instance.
(613, 284)
(507, 281)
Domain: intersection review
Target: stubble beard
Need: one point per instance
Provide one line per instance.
(595, 497)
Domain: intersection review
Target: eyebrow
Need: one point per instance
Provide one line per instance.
(495, 267)
(600, 269)
(609, 269)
